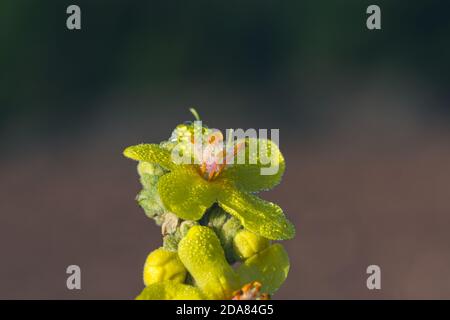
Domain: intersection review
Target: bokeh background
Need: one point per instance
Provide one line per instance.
(363, 116)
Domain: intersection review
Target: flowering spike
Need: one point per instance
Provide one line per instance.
(211, 217)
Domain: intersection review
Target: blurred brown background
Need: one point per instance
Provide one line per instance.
(363, 118)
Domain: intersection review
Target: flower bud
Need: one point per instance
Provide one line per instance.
(203, 256)
(247, 244)
(162, 265)
(269, 267)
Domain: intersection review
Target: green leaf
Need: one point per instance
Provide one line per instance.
(149, 174)
(185, 193)
(202, 255)
(148, 199)
(149, 169)
(152, 153)
(270, 267)
(170, 241)
(257, 215)
(170, 290)
(254, 174)
(148, 181)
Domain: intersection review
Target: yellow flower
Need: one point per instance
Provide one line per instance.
(188, 190)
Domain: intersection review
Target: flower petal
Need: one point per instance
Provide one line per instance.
(185, 193)
(152, 153)
(270, 267)
(262, 169)
(202, 255)
(170, 290)
(257, 215)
